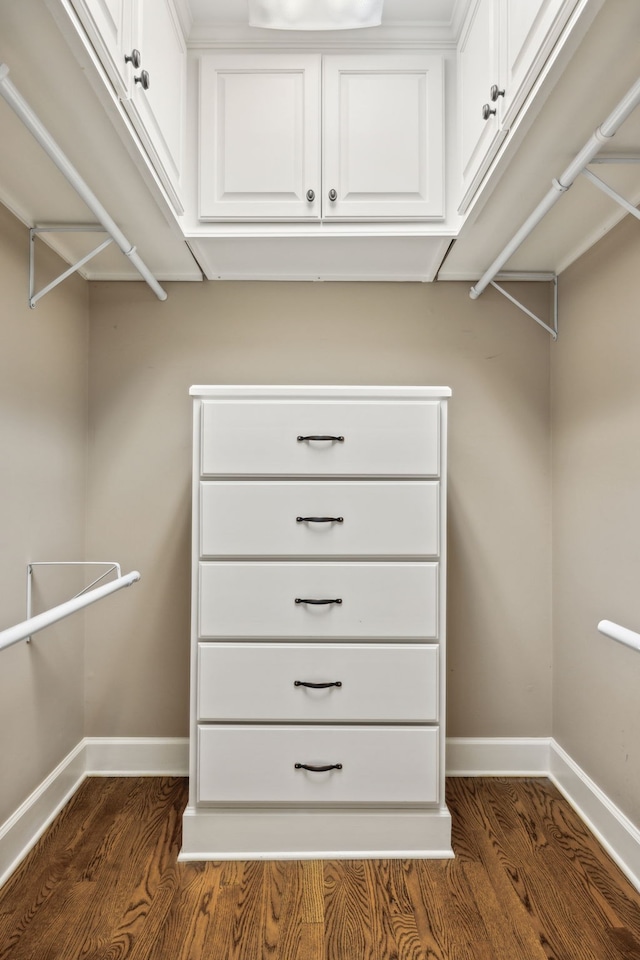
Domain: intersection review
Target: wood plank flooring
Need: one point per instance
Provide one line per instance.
(529, 882)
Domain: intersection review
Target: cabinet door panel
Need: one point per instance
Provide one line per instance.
(383, 137)
(254, 764)
(478, 70)
(530, 32)
(259, 136)
(257, 681)
(377, 601)
(159, 112)
(109, 26)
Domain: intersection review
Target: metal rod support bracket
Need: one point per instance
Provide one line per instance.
(553, 330)
(60, 228)
(111, 564)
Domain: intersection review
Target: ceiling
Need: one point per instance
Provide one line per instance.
(209, 12)
(90, 131)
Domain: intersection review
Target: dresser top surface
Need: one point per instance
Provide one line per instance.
(288, 392)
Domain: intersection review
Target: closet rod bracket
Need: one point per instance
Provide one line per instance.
(548, 277)
(60, 228)
(111, 564)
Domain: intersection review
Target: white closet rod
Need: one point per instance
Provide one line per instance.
(23, 630)
(600, 136)
(629, 637)
(31, 121)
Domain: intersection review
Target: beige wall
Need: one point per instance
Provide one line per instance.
(596, 514)
(144, 355)
(43, 422)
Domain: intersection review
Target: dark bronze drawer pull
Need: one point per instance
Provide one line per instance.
(302, 600)
(317, 686)
(322, 436)
(321, 769)
(319, 519)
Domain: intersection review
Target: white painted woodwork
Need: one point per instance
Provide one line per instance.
(256, 682)
(383, 137)
(370, 518)
(479, 67)
(504, 43)
(256, 764)
(381, 649)
(259, 136)
(530, 31)
(159, 113)
(109, 25)
(380, 438)
(379, 601)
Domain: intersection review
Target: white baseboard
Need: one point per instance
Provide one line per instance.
(616, 833)
(130, 756)
(136, 756)
(19, 833)
(498, 757)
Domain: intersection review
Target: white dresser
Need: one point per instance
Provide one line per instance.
(318, 623)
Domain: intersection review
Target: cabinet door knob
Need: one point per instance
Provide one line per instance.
(133, 58)
(311, 196)
(318, 769)
(317, 686)
(496, 92)
(143, 80)
(487, 111)
(333, 194)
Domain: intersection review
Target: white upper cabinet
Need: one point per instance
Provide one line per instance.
(383, 137)
(530, 31)
(158, 110)
(309, 137)
(109, 26)
(141, 46)
(479, 117)
(503, 47)
(259, 144)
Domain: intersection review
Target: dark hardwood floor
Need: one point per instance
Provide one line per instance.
(528, 883)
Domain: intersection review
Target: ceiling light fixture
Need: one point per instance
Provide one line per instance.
(315, 14)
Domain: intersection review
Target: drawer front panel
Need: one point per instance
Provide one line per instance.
(254, 764)
(257, 682)
(378, 601)
(370, 518)
(379, 438)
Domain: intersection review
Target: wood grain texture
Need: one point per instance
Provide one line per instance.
(529, 882)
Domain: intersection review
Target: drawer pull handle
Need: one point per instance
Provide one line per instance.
(320, 769)
(317, 686)
(302, 600)
(321, 436)
(319, 519)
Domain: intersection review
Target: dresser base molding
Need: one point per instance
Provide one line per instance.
(315, 835)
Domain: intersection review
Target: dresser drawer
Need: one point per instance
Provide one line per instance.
(288, 518)
(384, 438)
(375, 601)
(255, 764)
(270, 682)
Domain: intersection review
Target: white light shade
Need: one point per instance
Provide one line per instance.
(315, 14)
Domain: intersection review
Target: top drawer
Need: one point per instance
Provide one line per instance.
(394, 439)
